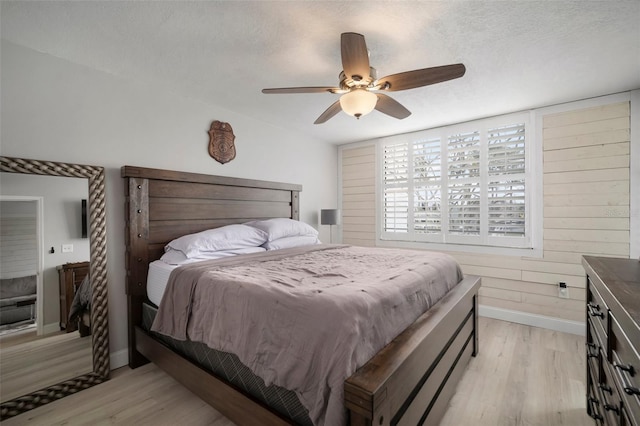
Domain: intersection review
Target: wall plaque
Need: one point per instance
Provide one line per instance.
(221, 142)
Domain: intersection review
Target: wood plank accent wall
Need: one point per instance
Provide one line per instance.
(586, 211)
(359, 196)
(18, 246)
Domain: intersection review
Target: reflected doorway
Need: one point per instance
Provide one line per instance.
(21, 285)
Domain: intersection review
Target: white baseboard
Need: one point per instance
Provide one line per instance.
(558, 324)
(118, 359)
(51, 328)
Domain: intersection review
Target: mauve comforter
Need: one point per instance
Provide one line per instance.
(305, 318)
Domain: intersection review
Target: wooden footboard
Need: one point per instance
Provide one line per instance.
(411, 380)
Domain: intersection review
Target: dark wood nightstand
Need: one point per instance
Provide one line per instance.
(71, 276)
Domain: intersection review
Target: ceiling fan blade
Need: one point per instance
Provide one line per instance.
(330, 112)
(422, 77)
(391, 107)
(355, 56)
(285, 90)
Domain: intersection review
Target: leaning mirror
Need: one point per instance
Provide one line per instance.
(92, 323)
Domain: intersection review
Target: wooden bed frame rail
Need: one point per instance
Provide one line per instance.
(409, 382)
(224, 397)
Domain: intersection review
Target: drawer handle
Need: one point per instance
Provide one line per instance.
(590, 348)
(591, 308)
(593, 412)
(628, 368)
(612, 408)
(605, 388)
(630, 390)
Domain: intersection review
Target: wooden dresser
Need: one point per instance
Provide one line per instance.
(71, 276)
(613, 340)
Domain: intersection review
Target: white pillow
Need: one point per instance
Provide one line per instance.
(228, 237)
(288, 242)
(176, 257)
(282, 227)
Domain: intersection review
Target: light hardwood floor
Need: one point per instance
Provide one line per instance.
(522, 376)
(22, 336)
(35, 363)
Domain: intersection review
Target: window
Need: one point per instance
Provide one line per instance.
(467, 184)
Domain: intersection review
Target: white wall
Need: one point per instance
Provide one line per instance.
(52, 109)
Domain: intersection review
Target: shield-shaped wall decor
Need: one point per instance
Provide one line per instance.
(221, 142)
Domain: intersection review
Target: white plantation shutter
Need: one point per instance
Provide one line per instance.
(427, 185)
(506, 188)
(463, 192)
(462, 184)
(396, 189)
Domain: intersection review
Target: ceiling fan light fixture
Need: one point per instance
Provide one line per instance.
(358, 79)
(358, 102)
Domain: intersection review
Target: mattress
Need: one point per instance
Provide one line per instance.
(157, 279)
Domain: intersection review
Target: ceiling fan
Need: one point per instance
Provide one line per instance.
(359, 82)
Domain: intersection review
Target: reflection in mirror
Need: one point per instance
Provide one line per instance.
(53, 338)
(40, 344)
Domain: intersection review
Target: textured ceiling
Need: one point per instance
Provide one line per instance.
(518, 54)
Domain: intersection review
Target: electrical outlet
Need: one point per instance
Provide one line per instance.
(563, 290)
(67, 248)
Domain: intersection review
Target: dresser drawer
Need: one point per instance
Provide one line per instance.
(597, 312)
(594, 408)
(609, 396)
(594, 351)
(626, 366)
(624, 418)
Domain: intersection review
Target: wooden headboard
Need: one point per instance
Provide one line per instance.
(162, 205)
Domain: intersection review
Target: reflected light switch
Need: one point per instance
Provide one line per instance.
(67, 248)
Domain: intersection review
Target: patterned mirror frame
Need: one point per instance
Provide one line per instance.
(98, 273)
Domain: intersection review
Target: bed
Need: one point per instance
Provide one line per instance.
(409, 381)
(17, 300)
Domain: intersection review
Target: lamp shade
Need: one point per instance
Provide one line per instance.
(358, 102)
(329, 217)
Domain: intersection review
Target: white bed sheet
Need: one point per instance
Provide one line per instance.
(160, 270)
(157, 279)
